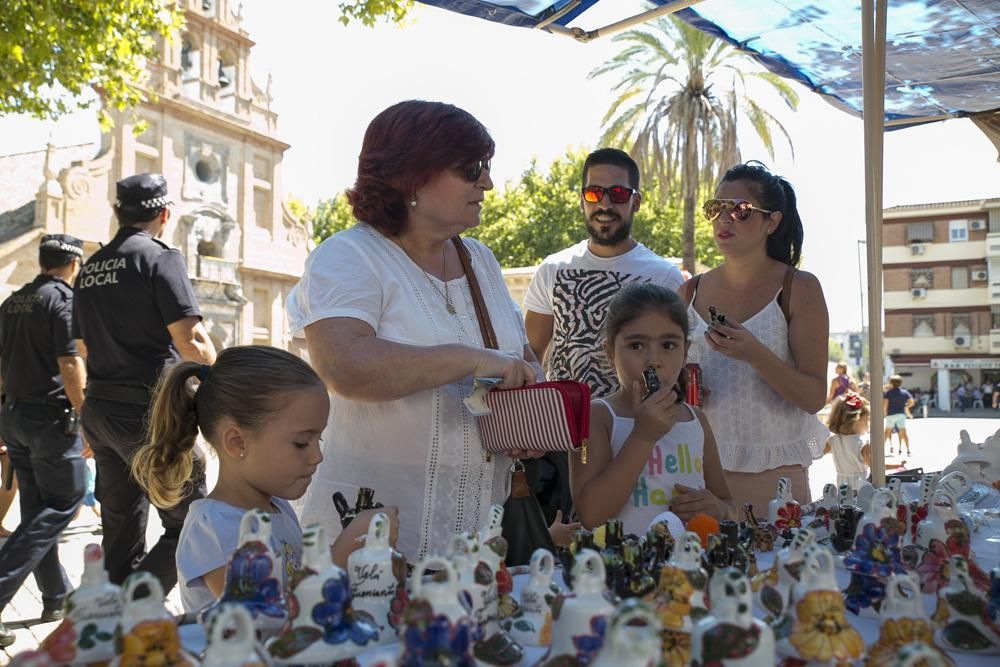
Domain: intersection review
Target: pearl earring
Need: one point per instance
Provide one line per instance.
(243, 454)
(413, 203)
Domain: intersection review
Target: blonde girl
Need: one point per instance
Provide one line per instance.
(849, 421)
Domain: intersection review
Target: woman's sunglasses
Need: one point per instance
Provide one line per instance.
(739, 210)
(471, 171)
(618, 194)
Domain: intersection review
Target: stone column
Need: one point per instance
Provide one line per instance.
(944, 389)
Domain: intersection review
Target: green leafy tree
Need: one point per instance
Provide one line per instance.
(370, 11)
(679, 97)
(834, 351)
(53, 52)
(539, 214)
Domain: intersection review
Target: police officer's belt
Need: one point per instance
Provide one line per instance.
(118, 392)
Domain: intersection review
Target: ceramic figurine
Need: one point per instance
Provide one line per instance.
(863, 497)
(979, 461)
(933, 565)
(438, 629)
(365, 501)
(582, 539)
(814, 628)
(785, 571)
(941, 510)
(322, 625)
(147, 633)
(903, 512)
(876, 555)
(764, 533)
(93, 611)
(34, 658)
(579, 618)
(531, 624)
(920, 509)
(784, 512)
(730, 635)
(820, 510)
(679, 598)
(494, 524)
(377, 573)
(969, 620)
(903, 620)
(254, 575)
(919, 654)
(232, 639)
(881, 506)
(845, 523)
(632, 639)
(657, 548)
(637, 582)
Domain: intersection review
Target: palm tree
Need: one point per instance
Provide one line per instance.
(677, 108)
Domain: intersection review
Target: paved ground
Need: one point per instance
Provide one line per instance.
(932, 442)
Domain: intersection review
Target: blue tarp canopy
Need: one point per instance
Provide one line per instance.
(942, 56)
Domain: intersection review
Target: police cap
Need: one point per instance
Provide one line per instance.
(61, 243)
(142, 192)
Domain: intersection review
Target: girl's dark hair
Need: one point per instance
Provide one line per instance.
(775, 194)
(842, 419)
(405, 147)
(244, 385)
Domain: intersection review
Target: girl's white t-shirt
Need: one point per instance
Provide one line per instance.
(421, 453)
(846, 450)
(211, 534)
(677, 458)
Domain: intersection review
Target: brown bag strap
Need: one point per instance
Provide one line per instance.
(483, 315)
(786, 293)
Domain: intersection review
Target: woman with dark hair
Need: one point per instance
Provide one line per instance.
(760, 330)
(391, 326)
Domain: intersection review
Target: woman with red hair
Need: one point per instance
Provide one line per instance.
(389, 319)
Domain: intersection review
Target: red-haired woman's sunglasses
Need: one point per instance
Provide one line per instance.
(739, 210)
(471, 171)
(618, 194)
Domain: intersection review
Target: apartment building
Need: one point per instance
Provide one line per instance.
(941, 272)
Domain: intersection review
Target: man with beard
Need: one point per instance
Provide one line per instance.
(569, 294)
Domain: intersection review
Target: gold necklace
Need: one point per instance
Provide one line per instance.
(445, 295)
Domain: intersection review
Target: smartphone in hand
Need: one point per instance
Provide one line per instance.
(652, 382)
(715, 317)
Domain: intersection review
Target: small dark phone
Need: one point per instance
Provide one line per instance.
(716, 317)
(71, 422)
(652, 382)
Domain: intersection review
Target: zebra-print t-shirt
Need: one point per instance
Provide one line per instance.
(575, 287)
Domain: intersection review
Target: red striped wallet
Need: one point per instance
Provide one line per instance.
(548, 417)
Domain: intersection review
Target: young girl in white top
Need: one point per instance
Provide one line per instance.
(848, 422)
(263, 411)
(648, 455)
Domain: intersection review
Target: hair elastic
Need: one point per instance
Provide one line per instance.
(203, 372)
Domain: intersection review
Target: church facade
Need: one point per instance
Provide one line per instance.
(210, 130)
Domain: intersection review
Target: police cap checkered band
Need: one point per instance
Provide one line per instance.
(61, 243)
(145, 191)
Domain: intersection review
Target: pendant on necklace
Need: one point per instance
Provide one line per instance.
(451, 308)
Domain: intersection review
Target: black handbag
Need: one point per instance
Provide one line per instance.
(524, 526)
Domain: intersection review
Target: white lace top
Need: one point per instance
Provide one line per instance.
(755, 428)
(421, 453)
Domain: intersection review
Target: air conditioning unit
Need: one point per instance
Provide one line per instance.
(980, 276)
(977, 225)
(917, 249)
(919, 292)
(962, 341)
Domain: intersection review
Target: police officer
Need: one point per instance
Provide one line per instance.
(135, 312)
(43, 377)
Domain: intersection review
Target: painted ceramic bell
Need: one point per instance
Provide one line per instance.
(438, 628)
(903, 620)
(957, 483)
(904, 513)
(941, 510)
(254, 575)
(933, 565)
(232, 638)
(377, 573)
(881, 506)
(579, 618)
(969, 620)
(632, 638)
(784, 512)
(679, 598)
(322, 625)
(147, 633)
(875, 557)
(493, 551)
(814, 628)
(776, 590)
(531, 624)
(919, 654)
(93, 611)
(863, 498)
(493, 527)
(730, 635)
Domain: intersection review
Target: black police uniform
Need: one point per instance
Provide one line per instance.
(39, 428)
(126, 295)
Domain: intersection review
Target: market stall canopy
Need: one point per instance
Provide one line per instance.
(942, 56)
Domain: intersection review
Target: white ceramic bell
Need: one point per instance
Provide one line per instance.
(881, 506)
(493, 527)
(445, 596)
(730, 622)
(817, 572)
(93, 611)
(232, 638)
(580, 614)
(903, 511)
(687, 557)
(438, 618)
(475, 577)
(785, 571)
(632, 638)
(957, 483)
(928, 484)
(782, 497)
(148, 631)
(377, 573)
(966, 625)
(324, 628)
(531, 624)
(863, 498)
(919, 654)
(941, 510)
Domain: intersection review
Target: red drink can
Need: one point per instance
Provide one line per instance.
(692, 377)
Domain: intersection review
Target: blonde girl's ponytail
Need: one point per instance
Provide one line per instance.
(163, 466)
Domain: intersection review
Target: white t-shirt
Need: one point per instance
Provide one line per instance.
(421, 453)
(575, 286)
(846, 450)
(677, 458)
(211, 534)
